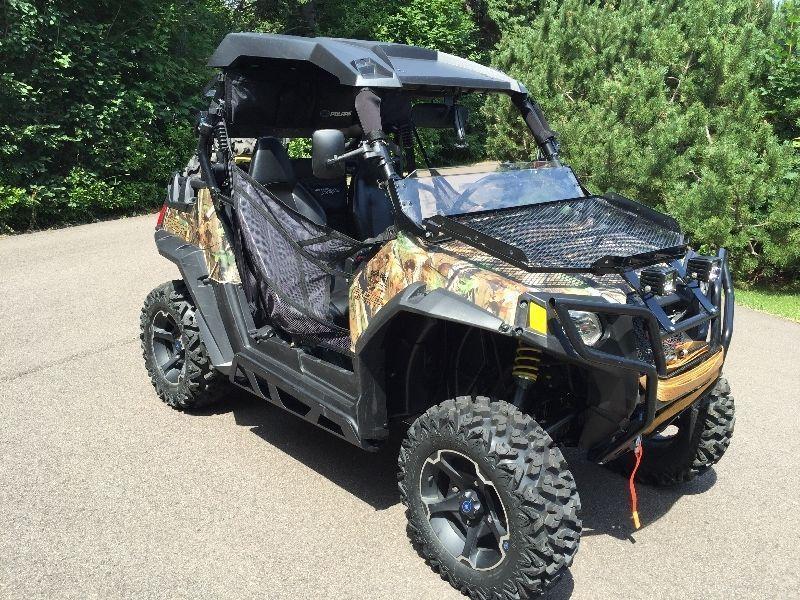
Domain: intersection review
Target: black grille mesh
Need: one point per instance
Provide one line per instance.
(644, 349)
(555, 282)
(573, 233)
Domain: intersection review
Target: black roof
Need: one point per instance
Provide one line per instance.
(364, 63)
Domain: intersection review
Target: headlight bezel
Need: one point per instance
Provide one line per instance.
(592, 321)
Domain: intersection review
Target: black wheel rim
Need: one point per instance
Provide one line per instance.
(169, 353)
(464, 510)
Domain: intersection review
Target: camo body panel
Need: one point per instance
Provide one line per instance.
(406, 260)
(201, 226)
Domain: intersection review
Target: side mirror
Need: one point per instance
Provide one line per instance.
(325, 145)
(460, 114)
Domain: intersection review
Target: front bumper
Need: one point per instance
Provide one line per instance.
(667, 387)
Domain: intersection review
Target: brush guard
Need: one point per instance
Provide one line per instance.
(715, 310)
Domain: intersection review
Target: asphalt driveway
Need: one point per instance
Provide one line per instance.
(107, 493)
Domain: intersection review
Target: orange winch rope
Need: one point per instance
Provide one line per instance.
(637, 452)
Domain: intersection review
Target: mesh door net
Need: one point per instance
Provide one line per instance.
(295, 261)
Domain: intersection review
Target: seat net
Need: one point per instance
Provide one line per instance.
(294, 261)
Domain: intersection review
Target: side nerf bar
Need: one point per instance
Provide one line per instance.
(721, 332)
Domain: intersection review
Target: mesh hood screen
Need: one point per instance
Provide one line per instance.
(573, 233)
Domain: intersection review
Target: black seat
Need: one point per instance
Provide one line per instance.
(340, 301)
(271, 167)
(330, 193)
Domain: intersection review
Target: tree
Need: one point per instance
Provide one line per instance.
(660, 100)
(781, 91)
(97, 100)
(674, 102)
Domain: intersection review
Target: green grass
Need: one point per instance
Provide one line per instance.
(783, 304)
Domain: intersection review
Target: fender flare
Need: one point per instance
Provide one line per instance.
(191, 262)
(439, 304)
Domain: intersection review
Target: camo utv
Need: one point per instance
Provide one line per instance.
(498, 310)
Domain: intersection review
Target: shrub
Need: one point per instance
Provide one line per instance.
(98, 104)
(660, 101)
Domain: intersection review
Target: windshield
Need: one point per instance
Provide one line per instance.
(458, 193)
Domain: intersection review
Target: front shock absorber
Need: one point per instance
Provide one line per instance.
(223, 142)
(526, 370)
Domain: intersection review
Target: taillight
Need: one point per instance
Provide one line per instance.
(161, 213)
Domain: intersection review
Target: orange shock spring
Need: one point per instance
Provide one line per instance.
(526, 362)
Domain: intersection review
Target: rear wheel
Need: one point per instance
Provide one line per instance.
(690, 445)
(174, 355)
(491, 504)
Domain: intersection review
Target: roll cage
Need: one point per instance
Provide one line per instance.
(371, 96)
(373, 147)
(292, 86)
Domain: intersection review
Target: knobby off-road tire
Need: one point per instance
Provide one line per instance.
(169, 334)
(529, 478)
(704, 432)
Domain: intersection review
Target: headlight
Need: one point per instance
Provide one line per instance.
(589, 326)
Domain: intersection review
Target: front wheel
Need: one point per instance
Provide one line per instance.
(490, 501)
(690, 445)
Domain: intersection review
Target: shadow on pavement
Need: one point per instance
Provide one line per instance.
(372, 476)
(562, 590)
(605, 498)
